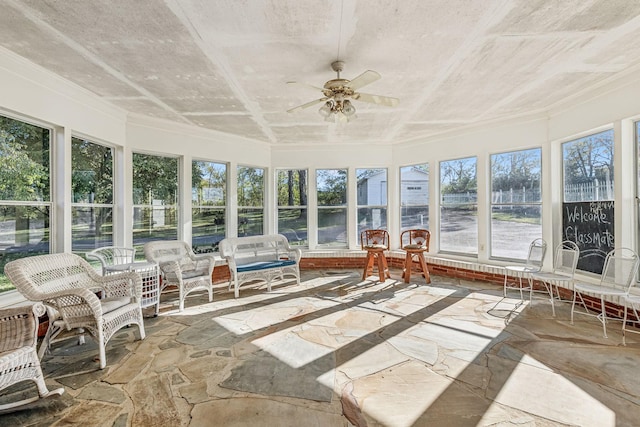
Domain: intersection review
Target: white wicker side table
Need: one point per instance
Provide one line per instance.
(150, 274)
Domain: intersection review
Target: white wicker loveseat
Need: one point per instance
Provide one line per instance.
(69, 286)
(266, 257)
(179, 266)
(18, 359)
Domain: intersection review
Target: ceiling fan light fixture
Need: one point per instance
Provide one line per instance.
(326, 109)
(338, 93)
(335, 111)
(348, 109)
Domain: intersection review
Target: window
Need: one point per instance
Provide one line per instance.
(372, 199)
(458, 206)
(414, 197)
(209, 205)
(155, 199)
(92, 194)
(588, 168)
(250, 201)
(637, 134)
(516, 203)
(588, 208)
(292, 205)
(25, 200)
(331, 191)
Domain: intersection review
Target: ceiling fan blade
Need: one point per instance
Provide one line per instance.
(376, 99)
(307, 105)
(363, 80)
(305, 85)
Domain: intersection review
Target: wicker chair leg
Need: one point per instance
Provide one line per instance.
(55, 327)
(43, 391)
(101, 348)
(28, 368)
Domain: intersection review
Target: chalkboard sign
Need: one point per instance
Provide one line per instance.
(590, 226)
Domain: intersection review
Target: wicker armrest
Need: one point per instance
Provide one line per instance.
(75, 297)
(204, 261)
(128, 283)
(18, 326)
(170, 267)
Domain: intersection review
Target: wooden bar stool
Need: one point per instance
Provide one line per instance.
(415, 243)
(375, 242)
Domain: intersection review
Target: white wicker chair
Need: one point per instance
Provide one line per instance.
(116, 259)
(179, 266)
(112, 255)
(68, 285)
(18, 359)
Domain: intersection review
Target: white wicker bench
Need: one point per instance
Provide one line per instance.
(265, 257)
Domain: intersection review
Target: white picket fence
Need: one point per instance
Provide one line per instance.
(583, 192)
(588, 191)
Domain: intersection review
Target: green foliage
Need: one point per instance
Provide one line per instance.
(292, 187)
(459, 176)
(92, 178)
(250, 186)
(24, 161)
(154, 178)
(209, 183)
(332, 187)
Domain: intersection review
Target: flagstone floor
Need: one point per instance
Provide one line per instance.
(339, 351)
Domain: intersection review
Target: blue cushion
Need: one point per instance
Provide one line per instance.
(262, 265)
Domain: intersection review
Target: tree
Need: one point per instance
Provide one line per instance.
(302, 187)
(21, 178)
(212, 177)
(589, 158)
(24, 174)
(250, 186)
(92, 179)
(459, 176)
(154, 178)
(516, 170)
(332, 187)
(292, 187)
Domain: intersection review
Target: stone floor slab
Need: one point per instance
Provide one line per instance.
(387, 354)
(251, 412)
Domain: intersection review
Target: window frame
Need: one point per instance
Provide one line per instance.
(573, 228)
(402, 206)
(384, 200)
(224, 207)
(176, 206)
(522, 247)
(242, 208)
(293, 207)
(442, 205)
(338, 207)
(94, 205)
(44, 205)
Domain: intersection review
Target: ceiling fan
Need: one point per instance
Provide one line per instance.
(339, 92)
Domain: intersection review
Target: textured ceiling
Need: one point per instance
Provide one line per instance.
(224, 65)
